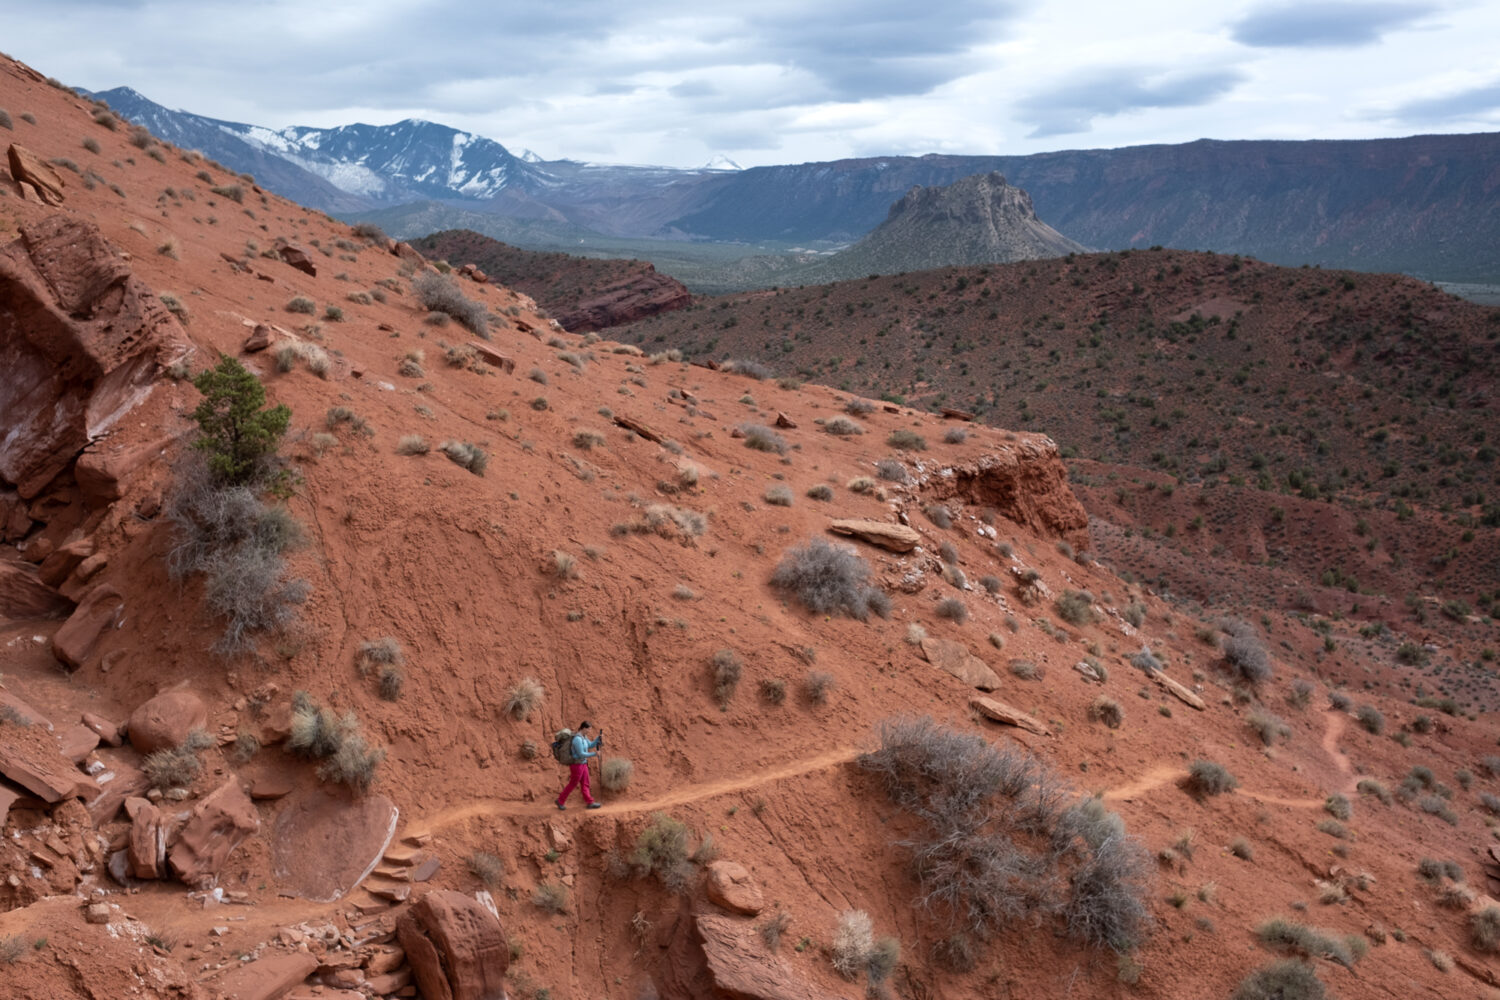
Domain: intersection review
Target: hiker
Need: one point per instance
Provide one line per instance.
(582, 749)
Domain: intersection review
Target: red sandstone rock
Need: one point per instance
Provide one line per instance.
(730, 885)
(107, 465)
(1008, 715)
(298, 257)
(720, 956)
(23, 596)
(326, 841)
(1027, 483)
(109, 732)
(266, 979)
(259, 339)
(219, 823)
(165, 721)
(79, 636)
(896, 537)
(147, 850)
(119, 782)
(31, 757)
(786, 422)
(456, 948)
(36, 174)
(493, 357)
(57, 567)
(83, 343)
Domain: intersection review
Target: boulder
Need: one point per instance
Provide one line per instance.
(164, 722)
(108, 464)
(36, 174)
(15, 518)
(109, 732)
(730, 885)
(23, 595)
(119, 781)
(785, 422)
(60, 564)
(955, 658)
(298, 257)
(326, 841)
(83, 343)
(896, 537)
(218, 824)
(456, 948)
(146, 852)
(268, 978)
(259, 339)
(491, 356)
(722, 956)
(90, 621)
(999, 711)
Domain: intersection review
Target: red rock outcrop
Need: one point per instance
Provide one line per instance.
(456, 948)
(23, 595)
(729, 884)
(1025, 482)
(79, 636)
(35, 175)
(637, 297)
(83, 342)
(218, 824)
(268, 978)
(723, 958)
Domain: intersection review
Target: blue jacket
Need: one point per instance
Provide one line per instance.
(583, 747)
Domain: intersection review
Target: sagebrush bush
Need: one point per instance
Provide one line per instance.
(762, 438)
(955, 435)
(551, 896)
(316, 733)
(779, 495)
(1484, 929)
(524, 697)
(1338, 807)
(1208, 778)
(1245, 655)
(830, 579)
(1288, 979)
(176, 767)
(374, 653)
(487, 867)
(725, 669)
(1310, 941)
(820, 491)
(301, 304)
(438, 293)
(469, 456)
(939, 515)
(986, 863)
(750, 369)
(906, 440)
(1369, 786)
(773, 690)
(663, 849)
(412, 444)
(1106, 710)
(891, 470)
(392, 680)
(953, 609)
(615, 774)
(1268, 726)
(1076, 607)
(843, 427)
(816, 686)
(1370, 719)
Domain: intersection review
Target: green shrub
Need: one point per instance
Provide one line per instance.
(235, 434)
(662, 849)
(905, 440)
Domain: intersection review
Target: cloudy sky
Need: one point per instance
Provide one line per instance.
(789, 81)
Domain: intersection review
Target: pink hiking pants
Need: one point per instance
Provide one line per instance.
(578, 777)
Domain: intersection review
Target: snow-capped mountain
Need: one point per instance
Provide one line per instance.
(720, 162)
(351, 166)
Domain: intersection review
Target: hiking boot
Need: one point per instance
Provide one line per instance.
(560, 806)
(593, 805)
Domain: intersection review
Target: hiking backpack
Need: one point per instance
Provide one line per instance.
(562, 747)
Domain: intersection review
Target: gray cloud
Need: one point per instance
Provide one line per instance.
(1072, 107)
(1466, 105)
(1325, 24)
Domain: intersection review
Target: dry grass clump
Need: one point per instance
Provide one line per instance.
(302, 304)
(830, 579)
(1268, 726)
(1484, 929)
(1338, 807)
(1076, 607)
(861, 484)
(843, 427)
(412, 444)
(668, 521)
(525, 696)
(953, 609)
(1311, 941)
(564, 565)
(373, 653)
(392, 680)
(587, 439)
(615, 774)
(338, 742)
(551, 896)
(773, 690)
(469, 456)
(856, 407)
(852, 943)
(820, 491)
(725, 669)
(663, 849)
(891, 470)
(779, 495)
(773, 928)
(487, 867)
(176, 767)
(750, 369)
(1287, 979)
(1370, 719)
(906, 440)
(955, 435)
(1369, 786)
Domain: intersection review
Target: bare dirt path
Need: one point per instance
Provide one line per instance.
(676, 797)
(1334, 725)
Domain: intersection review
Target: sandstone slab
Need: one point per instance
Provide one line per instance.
(1181, 693)
(955, 658)
(164, 721)
(78, 638)
(456, 948)
(731, 886)
(268, 978)
(218, 824)
(24, 596)
(999, 711)
(145, 854)
(31, 757)
(491, 356)
(297, 257)
(119, 781)
(326, 841)
(34, 173)
(723, 956)
(895, 537)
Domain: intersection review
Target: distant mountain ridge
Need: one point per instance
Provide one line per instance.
(1423, 205)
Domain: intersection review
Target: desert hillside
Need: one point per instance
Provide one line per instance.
(275, 712)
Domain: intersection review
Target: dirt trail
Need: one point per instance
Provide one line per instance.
(687, 793)
(1333, 730)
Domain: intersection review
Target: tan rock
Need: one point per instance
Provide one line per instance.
(384, 960)
(96, 913)
(896, 537)
(164, 721)
(218, 824)
(730, 885)
(785, 422)
(955, 658)
(108, 732)
(259, 339)
(999, 711)
(1177, 690)
(456, 948)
